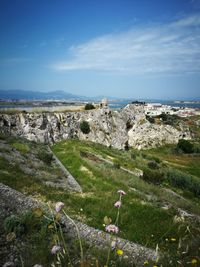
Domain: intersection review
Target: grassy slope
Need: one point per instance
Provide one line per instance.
(185, 162)
(141, 220)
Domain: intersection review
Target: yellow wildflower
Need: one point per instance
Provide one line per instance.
(120, 252)
(146, 262)
(38, 212)
(50, 226)
(194, 261)
(173, 239)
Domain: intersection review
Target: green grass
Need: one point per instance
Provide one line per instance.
(101, 182)
(189, 163)
(142, 220)
(24, 148)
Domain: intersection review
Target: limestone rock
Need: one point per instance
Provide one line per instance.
(119, 129)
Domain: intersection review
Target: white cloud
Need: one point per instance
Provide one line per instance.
(172, 48)
(188, 21)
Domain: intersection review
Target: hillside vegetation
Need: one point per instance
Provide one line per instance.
(158, 210)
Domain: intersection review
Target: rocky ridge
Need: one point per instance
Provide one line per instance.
(117, 128)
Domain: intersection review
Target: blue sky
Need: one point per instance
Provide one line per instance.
(124, 48)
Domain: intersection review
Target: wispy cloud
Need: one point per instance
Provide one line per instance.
(172, 48)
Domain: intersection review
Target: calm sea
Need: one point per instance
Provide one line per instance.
(119, 104)
(122, 104)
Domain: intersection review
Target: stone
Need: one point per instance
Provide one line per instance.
(120, 129)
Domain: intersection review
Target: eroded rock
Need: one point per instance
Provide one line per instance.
(120, 129)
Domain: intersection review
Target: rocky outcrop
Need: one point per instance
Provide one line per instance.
(119, 129)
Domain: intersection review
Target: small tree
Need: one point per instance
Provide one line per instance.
(185, 146)
(85, 127)
(89, 106)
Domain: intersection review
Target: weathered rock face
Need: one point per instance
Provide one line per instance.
(127, 127)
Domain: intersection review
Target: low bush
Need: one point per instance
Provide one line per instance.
(133, 156)
(168, 119)
(185, 146)
(144, 156)
(150, 119)
(14, 224)
(163, 116)
(183, 181)
(153, 165)
(153, 158)
(196, 148)
(116, 164)
(45, 156)
(89, 106)
(153, 176)
(85, 127)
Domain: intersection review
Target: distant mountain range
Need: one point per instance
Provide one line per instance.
(52, 95)
(62, 95)
(36, 95)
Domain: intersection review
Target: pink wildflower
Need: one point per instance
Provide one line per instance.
(55, 249)
(111, 228)
(118, 204)
(59, 206)
(121, 192)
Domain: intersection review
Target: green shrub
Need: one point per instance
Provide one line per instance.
(116, 164)
(157, 160)
(150, 119)
(133, 156)
(144, 155)
(89, 106)
(183, 181)
(24, 223)
(185, 146)
(168, 119)
(153, 176)
(45, 156)
(152, 165)
(196, 148)
(152, 158)
(163, 116)
(85, 127)
(14, 224)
